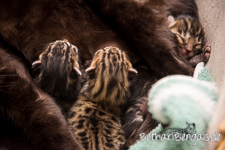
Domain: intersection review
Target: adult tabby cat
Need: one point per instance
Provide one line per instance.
(58, 73)
(95, 118)
(137, 27)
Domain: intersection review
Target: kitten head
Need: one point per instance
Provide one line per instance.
(58, 68)
(189, 34)
(110, 75)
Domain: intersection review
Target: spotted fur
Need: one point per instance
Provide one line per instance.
(58, 73)
(95, 118)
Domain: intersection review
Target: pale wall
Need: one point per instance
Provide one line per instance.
(212, 16)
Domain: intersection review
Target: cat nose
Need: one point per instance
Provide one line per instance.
(188, 47)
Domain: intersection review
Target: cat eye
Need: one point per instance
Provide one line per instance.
(198, 46)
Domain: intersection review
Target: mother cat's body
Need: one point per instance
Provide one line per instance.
(138, 28)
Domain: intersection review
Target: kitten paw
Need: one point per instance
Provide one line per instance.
(207, 51)
(203, 57)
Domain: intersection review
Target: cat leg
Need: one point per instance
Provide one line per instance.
(203, 57)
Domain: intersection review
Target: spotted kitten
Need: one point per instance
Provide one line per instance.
(57, 73)
(95, 119)
(190, 38)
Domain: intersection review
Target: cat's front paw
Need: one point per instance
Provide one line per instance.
(203, 57)
(206, 51)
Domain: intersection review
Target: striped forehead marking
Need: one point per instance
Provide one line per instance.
(111, 80)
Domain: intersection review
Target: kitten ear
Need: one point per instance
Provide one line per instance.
(132, 72)
(170, 20)
(90, 70)
(76, 67)
(38, 62)
(77, 70)
(65, 40)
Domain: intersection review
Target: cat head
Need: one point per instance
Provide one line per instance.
(57, 69)
(189, 34)
(190, 128)
(110, 75)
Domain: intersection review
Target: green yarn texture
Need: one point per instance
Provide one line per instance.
(177, 109)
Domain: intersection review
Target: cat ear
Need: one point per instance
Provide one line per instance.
(65, 40)
(90, 70)
(132, 72)
(77, 70)
(170, 20)
(38, 62)
(76, 67)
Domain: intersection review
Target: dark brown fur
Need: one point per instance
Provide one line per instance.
(140, 29)
(27, 110)
(136, 21)
(58, 20)
(48, 21)
(136, 109)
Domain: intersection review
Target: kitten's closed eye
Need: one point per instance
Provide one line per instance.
(189, 34)
(180, 39)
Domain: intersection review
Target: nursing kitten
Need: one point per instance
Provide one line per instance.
(58, 73)
(190, 37)
(139, 29)
(29, 118)
(190, 44)
(95, 119)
